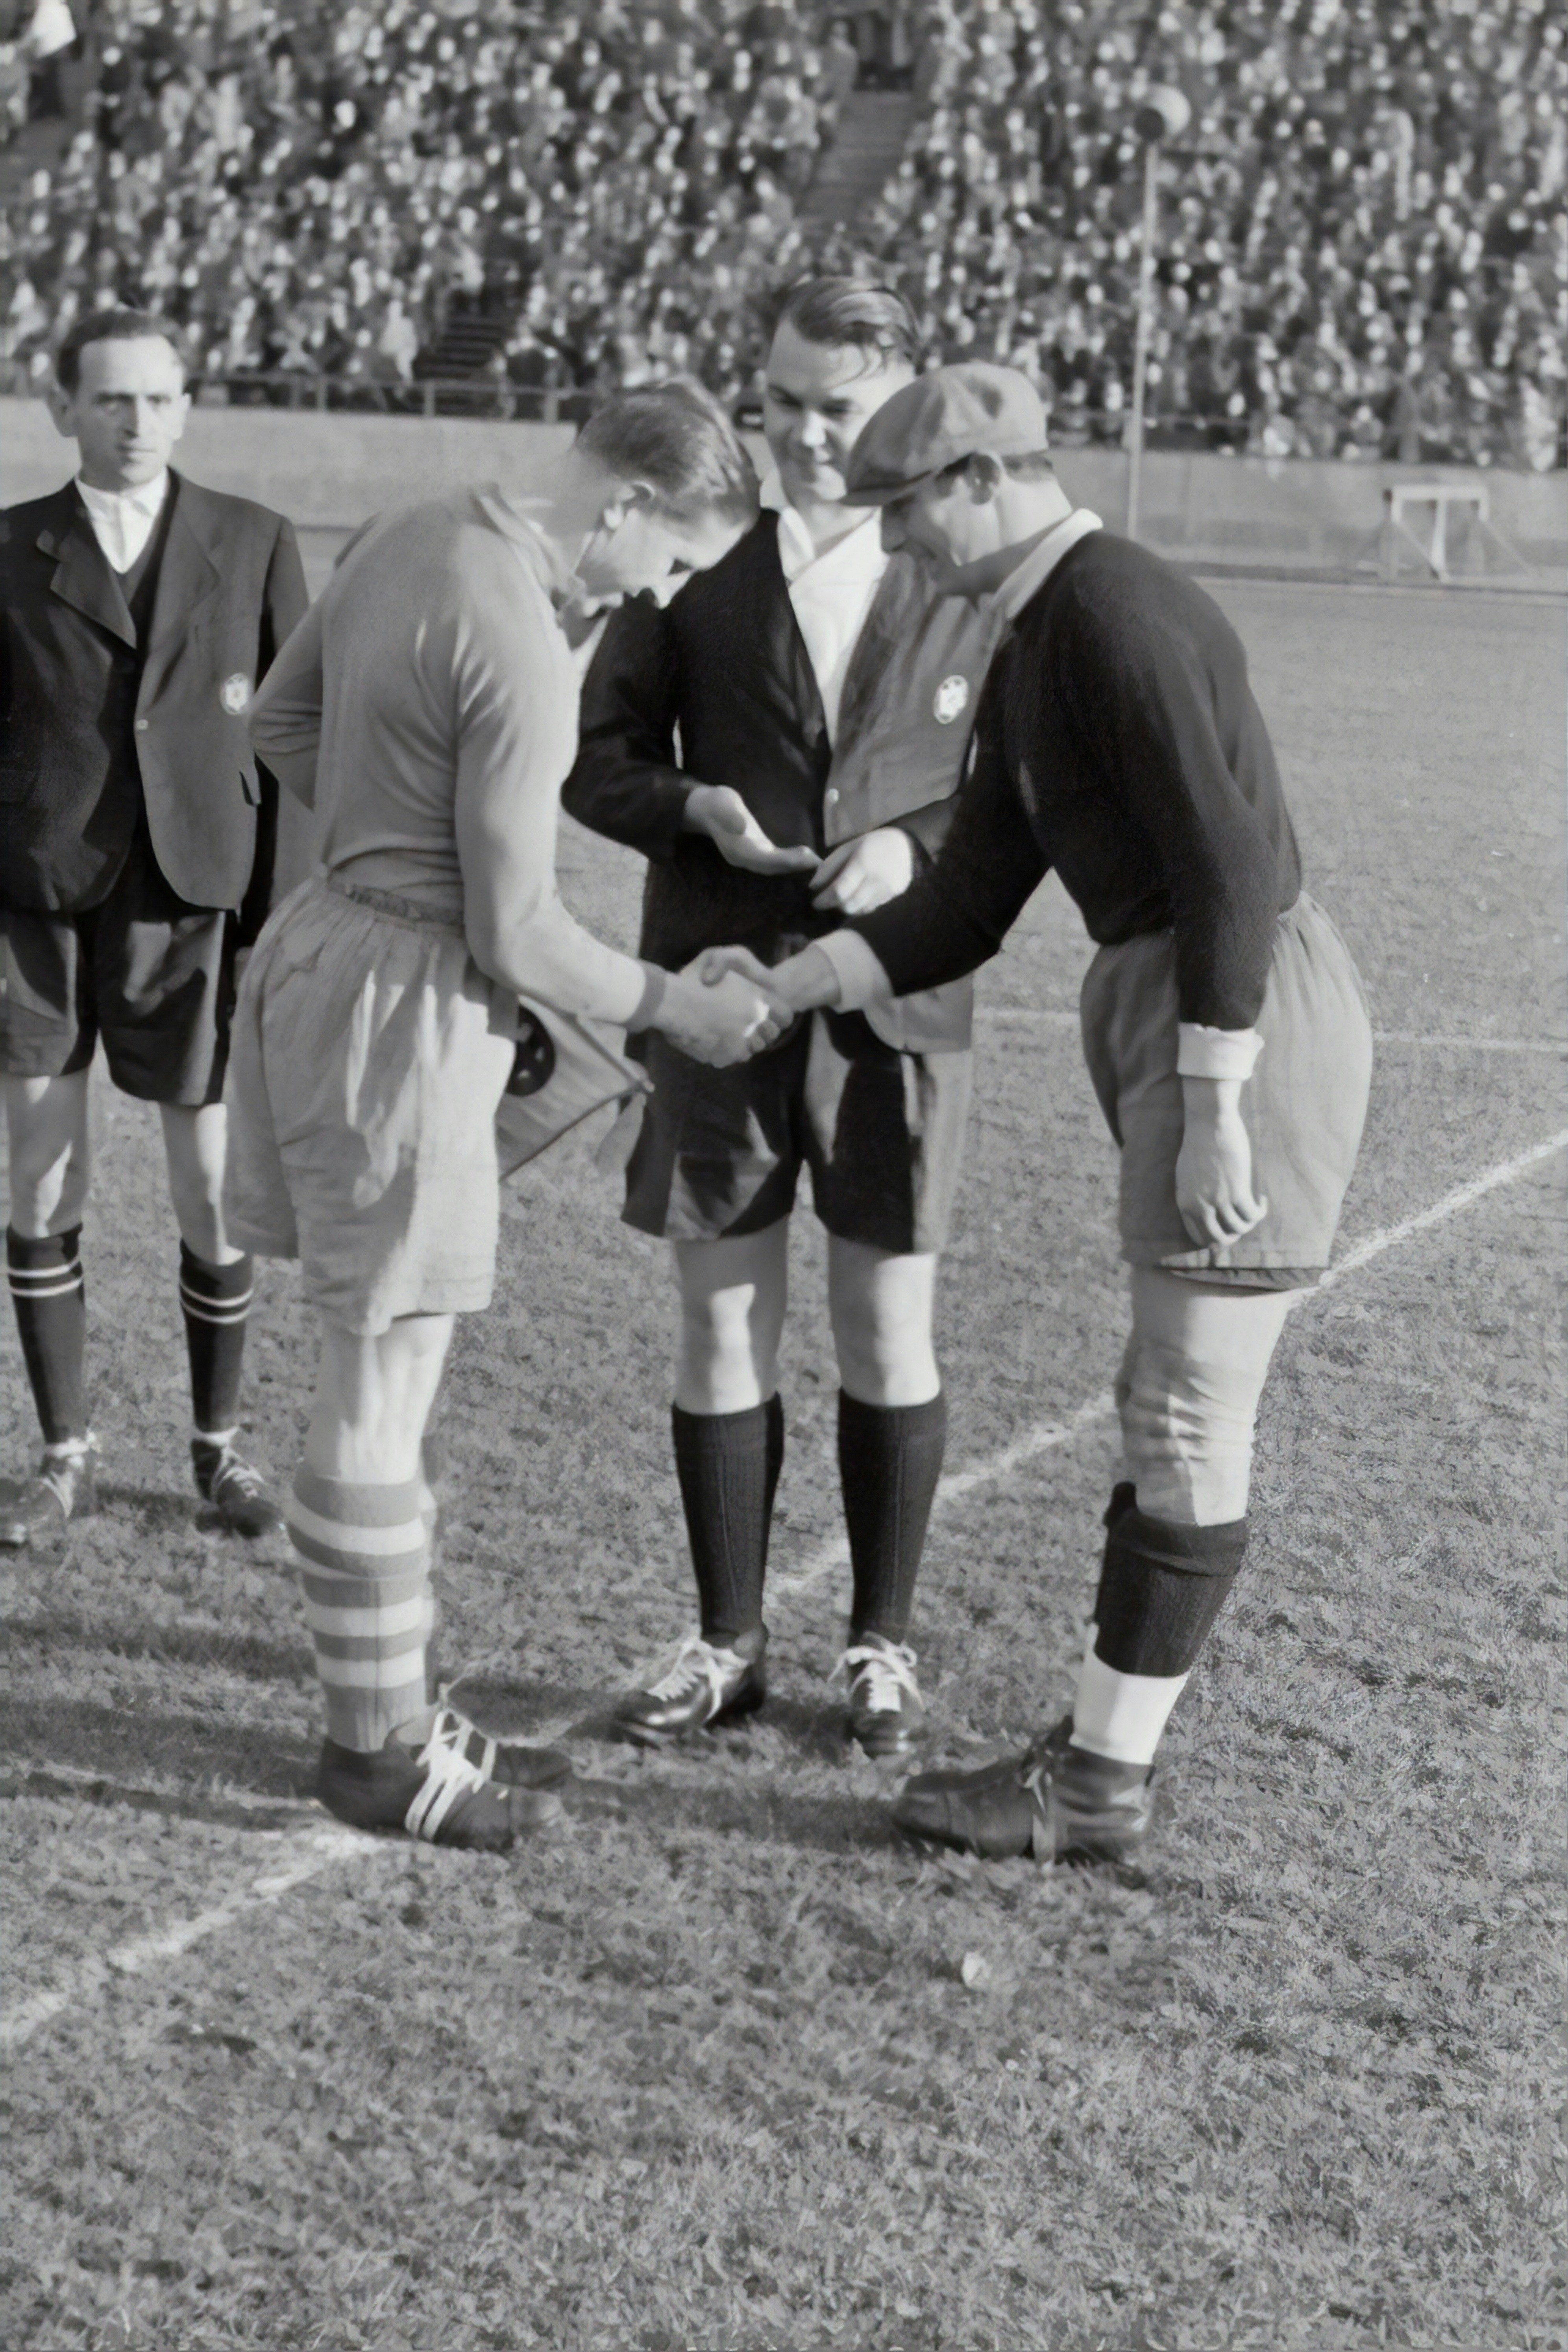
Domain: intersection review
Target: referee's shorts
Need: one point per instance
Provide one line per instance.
(150, 974)
(1304, 1105)
(720, 1152)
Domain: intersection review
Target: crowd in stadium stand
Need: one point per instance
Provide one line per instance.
(1361, 231)
(1361, 246)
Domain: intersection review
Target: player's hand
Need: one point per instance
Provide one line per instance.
(1214, 1166)
(719, 810)
(725, 1021)
(806, 983)
(861, 874)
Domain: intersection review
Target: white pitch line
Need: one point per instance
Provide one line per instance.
(1389, 1237)
(317, 1850)
(302, 1858)
(1048, 1436)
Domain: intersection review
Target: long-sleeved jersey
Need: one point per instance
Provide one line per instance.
(1117, 740)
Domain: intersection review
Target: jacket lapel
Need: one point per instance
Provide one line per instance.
(188, 580)
(794, 663)
(82, 577)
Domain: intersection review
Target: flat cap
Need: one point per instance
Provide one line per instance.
(939, 420)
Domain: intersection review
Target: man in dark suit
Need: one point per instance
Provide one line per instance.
(137, 613)
(781, 743)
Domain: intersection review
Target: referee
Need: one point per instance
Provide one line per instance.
(782, 743)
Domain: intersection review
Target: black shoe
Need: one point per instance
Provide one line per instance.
(885, 1709)
(236, 1490)
(459, 1789)
(1058, 1802)
(700, 1683)
(37, 1511)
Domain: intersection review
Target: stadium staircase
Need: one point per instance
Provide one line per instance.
(468, 343)
(872, 129)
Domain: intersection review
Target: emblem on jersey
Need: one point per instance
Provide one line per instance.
(234, 694)
(951, 698)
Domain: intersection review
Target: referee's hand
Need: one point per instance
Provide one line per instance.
(717, 810)
(859, 875)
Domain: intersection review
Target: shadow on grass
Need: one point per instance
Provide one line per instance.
(758, 1810)
(183, 1646)
(815, 1732)
(44, 1748)
(105, 1755)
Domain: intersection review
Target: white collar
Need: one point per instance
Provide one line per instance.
(1009, 599)
(146, 497)
(858, 554)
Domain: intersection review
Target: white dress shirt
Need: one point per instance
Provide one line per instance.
(831, 593)
(123, 520)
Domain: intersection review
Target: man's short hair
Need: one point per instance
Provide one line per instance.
(111, 326)
(847, 314)
(676, 438)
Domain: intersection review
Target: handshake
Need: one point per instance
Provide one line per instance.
(726, 1005)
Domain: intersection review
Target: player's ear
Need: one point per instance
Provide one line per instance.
(984, 474)
(58, 401)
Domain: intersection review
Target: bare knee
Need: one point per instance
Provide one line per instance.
(732, 1301)
(881, 1305)
(373, 1397)
(49, 1156)
(194, 1145)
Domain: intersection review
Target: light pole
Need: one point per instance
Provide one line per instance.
(1165, 114)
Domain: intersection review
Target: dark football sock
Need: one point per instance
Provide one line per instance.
(728, 1464)
(1162, 1586)
(889, 1459)
(50, 1299)
(216, 1303)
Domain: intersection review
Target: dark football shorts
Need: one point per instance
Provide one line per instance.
(720, 1152)
(150, 975)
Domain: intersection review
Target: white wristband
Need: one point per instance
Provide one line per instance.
(1206, 1053)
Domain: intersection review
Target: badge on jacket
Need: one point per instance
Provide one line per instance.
(950, 699)
(234, 693)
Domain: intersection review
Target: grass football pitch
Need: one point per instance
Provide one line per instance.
(720, 2065)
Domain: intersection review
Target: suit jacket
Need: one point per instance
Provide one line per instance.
(87, 716)
(721, 675)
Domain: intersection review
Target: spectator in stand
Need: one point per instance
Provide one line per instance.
(1350, 170)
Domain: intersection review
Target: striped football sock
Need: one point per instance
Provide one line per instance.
(50, 1299)
(364, 1567)
(216, 1303)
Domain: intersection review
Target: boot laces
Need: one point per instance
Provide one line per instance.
(883, 1671)
(63, 1465)
(693, 1662)
(451, 1771)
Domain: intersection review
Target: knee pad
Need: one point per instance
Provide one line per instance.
(1187, 1426)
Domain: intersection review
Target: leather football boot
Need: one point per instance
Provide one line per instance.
(459, 1789)
(885, 1709)
(1058, 1802)
(35, 1512)
(700, 1683)
(236, 1491)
